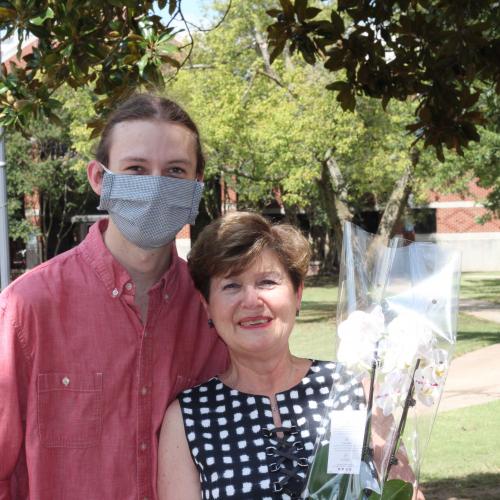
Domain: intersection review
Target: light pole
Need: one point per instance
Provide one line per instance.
(4, 219)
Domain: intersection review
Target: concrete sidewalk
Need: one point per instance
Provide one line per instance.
(474, 378)
(481, 309)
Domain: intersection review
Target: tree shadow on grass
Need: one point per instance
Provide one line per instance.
(482, 289)
(316, 312)
(490, 337)
(473, 487)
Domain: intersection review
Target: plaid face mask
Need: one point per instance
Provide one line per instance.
(149, 210)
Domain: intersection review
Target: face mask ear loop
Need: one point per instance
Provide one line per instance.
(192, 201)
(104, 168)
(196, 194)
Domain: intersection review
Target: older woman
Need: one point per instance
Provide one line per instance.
(250, 432)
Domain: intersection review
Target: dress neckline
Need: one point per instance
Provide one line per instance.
(314, 363)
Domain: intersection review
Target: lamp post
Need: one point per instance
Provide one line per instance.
(4, 219)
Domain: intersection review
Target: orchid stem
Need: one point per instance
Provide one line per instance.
(409, 401)
(366, 452)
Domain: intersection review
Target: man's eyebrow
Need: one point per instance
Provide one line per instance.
(134, 158)
(145, 160)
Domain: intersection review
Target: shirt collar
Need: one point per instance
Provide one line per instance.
(114, 276)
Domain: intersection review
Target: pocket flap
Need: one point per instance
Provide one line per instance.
(68, 381)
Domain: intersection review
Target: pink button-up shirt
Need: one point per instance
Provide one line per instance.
(84, 384)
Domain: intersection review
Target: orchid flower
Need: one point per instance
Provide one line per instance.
(407, 339)
(430, 378)
(359, 335)
(393, 391)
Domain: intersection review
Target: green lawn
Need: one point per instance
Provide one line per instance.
(483, 286)
(314, 332)
(463, 457)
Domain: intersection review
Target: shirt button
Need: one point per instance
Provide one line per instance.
(129, 286)
(167, 296)
(144, 446)
(144, 390)
(115, 292)
(65, 381)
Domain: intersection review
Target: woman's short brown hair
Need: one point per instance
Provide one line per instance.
(231, 243)
(148, 107)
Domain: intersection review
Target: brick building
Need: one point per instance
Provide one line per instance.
(456, 225)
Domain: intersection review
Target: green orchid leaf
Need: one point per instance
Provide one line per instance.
(395, 489)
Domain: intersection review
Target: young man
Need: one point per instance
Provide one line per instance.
(97, 341)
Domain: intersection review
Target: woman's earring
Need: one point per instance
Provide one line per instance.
(210, 323)
(297, 312)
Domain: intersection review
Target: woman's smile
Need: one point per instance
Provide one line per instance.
(252, 323)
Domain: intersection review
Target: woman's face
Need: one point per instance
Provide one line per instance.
(254, 312)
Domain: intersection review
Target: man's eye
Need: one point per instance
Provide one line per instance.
(134, 169)
(176, 171)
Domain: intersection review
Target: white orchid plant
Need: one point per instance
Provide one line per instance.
(396, 331)
(396, 348)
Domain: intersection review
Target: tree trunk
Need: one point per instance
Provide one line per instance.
(398, 200)
(331, 189)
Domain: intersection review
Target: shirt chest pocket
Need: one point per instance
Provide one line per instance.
(69, 409)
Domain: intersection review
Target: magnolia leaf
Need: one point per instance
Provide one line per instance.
(273, 12)
(67, 51)
(287, 7)
(166, 47)
(385, 101)
(339, 85)
(300, 9)
(130, 59)
(337, 24)
(334, 63)
(346, 4)
(278, 48)
(347, 100)
(439, 152)
(312, 12)
(170, 60)
(308, 51)
(7, 14)
(38, 21)
(39, 31)
(135, 37)
(143, 63)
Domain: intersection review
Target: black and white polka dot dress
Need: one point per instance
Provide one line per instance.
(234, 442)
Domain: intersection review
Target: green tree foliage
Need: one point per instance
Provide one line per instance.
(45, 163)
(437, 50)
(274, 129)
(116, 46)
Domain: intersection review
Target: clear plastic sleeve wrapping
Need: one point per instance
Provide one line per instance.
(396, 331)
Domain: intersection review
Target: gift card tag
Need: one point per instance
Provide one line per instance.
(346, 441)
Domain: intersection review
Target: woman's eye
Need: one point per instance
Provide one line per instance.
(230, 286)
(268, 282)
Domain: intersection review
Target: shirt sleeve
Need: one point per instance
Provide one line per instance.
(13, 393)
